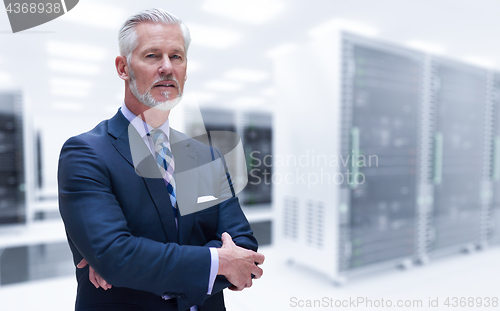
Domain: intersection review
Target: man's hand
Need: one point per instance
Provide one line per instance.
(238, 264)
(94, 277)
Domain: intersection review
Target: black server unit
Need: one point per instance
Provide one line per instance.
(12, 185)
(222, 121)
(257, 143)
(381, 106)
(460, 96)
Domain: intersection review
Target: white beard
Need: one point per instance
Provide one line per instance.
(148, 100)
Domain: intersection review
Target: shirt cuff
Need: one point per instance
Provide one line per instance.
(214, 268)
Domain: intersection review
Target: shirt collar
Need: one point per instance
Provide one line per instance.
(142, 127)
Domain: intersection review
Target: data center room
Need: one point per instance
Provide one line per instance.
(367, 137)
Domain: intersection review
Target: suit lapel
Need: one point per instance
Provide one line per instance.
(125, 136)
(186, 162)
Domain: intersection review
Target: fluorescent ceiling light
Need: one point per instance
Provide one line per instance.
(281, 50)
(221, 85)
(75, 50)
(67, 106)
(479, 61)
(213, 37)
(75, 67)
(69, 92)
(249, 101)
(204, 96)
(70, 87)
(426, 47)
(247, 75)
(255, 11)
(70, 83)
(5, 78)
(269, 92)
(96, 14)
(343, 24)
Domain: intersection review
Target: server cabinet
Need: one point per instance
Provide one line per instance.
(402, 155)
(354, 117)
(12, 187)
(492, 216)
(460, 98)
(380, 132)
(257, 143)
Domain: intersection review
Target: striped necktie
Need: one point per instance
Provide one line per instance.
(165, 161)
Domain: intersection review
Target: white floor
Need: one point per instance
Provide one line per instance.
(287, 287)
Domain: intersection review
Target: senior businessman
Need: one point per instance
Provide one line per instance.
(148, 244)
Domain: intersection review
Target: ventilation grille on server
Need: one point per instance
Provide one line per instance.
(314, 225)
(486, 212)
(290, 218)
(494, 218)
(425, 231)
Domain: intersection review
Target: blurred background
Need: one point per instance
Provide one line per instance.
(371, 132)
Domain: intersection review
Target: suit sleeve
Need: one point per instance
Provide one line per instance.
(231, 220)
(97, 229)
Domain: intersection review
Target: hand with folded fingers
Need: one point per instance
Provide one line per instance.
(237, 264)
(94, 278)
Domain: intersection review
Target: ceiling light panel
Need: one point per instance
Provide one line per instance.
(70, 83)
(247, 75)
(75, 67)
(340, 24)
(204, 96)
(67, 106)
(96, 14)
(282, 50)
(254, 12)
(75, 51)
(70, 87)
(69, 92)
(5, 78)
(213, 37)
(249, 101)
(221, 85)
(269, 92)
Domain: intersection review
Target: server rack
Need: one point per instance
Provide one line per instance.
(492, 216)
(381, 109)
(430, 123)
(12, 185)
(459, 178)
(257, 143)
(255, 131)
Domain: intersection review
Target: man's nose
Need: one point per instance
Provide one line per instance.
(165, 66)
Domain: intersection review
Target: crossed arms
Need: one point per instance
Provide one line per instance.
(112, 231)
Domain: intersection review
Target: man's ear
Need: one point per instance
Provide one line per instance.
(122, 68)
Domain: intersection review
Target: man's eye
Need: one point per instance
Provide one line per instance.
(176, 56)
(150, 55)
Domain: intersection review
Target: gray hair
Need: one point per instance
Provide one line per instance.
(127, 37)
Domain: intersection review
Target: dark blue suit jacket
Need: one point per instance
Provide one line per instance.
(124, 225)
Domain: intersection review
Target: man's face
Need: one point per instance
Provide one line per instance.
(158, 65)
